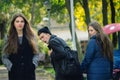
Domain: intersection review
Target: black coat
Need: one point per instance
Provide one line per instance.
(23, 67)
(57, 55)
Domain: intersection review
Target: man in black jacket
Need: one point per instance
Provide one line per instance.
(57, 53)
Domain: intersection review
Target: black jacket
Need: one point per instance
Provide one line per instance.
(57, 55)
(58, 52)
(23, 67)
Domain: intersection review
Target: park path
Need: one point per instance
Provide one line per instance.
(40, 74)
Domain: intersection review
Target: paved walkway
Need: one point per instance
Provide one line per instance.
(40, 74)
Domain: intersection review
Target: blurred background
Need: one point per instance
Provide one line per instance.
(67, 19)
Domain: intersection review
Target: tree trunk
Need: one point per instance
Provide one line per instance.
(104, 12)
(2, 29)
(114, 41)
(32, 13)
(112, 11)
(87, 13)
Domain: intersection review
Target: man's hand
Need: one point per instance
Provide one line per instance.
(49, 52)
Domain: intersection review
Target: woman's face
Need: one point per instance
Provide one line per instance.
(91, 31)
(19, 23)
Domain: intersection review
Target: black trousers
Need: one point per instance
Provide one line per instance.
(75, 77)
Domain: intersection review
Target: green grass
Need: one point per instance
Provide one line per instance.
(50, 70)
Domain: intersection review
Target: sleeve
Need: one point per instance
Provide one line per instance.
(38, 56)
(36, 59)
(90, 52)
(58, 49)
(5, 59)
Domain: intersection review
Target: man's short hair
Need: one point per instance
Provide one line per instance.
(44, 30)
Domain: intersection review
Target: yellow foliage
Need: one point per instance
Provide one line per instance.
(95, 9)
(79, 15)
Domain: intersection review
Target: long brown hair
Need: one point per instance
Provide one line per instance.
(12, 41)
(106, 44)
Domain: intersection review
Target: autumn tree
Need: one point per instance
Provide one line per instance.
(113, 21)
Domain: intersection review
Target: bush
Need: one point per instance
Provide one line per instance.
(50, 71)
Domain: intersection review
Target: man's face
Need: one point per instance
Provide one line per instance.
(44, 37)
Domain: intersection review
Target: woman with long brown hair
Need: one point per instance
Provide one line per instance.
(20, 53)
(98, 60)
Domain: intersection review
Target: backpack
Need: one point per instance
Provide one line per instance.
(70, 65)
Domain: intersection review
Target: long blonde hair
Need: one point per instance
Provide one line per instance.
(12, 41)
